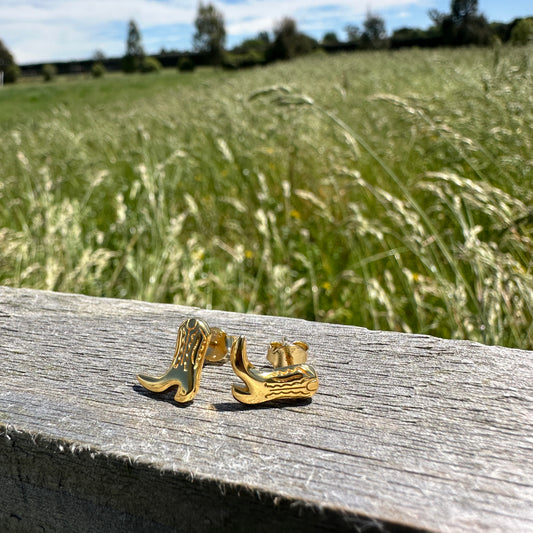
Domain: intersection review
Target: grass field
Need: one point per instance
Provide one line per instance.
(390, 190)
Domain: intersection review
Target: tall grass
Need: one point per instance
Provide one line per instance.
(391, 190)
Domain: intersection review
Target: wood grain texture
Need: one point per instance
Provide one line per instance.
(405, 431)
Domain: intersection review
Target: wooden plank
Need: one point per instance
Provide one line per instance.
(406, 431)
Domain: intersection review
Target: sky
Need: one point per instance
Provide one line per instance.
(62, 30)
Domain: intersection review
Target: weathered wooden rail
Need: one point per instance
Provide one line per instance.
(406, 431)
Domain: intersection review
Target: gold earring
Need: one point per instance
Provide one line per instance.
(291, 379)
(219, 348)
(196, 343)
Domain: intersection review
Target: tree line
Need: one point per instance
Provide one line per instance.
(462, 25)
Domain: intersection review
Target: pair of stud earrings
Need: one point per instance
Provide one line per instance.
(197, 343)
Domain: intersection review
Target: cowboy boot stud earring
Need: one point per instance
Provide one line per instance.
(291, 378)
(195, 344)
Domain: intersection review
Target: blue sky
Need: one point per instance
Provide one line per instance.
(60, 30)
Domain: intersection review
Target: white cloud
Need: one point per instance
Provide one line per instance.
(91, 12)
(70, 29)
(39, 30)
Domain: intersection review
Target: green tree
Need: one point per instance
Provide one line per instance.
(462, 9)
(186, 64)
(436, 17)
(98, 69)
(330, 38)
(134, 49)
(263, 36)
(407, 37)
(522, 32)
(151, 64)
(463, 25)
(49, 72)
(99, 55)
(474, 29)
(374, 33)
(210, 35)
(8, 65)
(285, 39)
(353, 33)
(256, 44)
(289, 42)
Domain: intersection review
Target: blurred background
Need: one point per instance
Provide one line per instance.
(366, 165)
